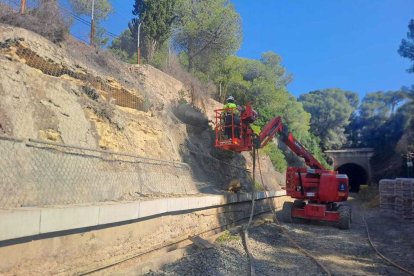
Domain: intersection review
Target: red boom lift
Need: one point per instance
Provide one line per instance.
(317, 190)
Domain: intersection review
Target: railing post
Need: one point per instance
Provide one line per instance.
(22, 6)
(93, 30)
(138, 43)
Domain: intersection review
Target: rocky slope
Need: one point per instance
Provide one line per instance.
(70, 94)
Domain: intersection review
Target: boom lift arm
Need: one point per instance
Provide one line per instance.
(276, 126)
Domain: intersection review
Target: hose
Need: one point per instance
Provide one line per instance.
(379, 253)
(301, 249)
(245, 230)
(245, 236)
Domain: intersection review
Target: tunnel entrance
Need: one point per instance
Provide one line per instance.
(356, 174)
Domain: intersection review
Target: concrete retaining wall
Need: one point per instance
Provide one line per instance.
(161, 223)
(24, 222)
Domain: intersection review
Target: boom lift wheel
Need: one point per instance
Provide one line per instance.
(344, 217)
(299, 204)
(286, 214)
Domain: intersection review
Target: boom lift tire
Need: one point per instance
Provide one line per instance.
(299, 204)
(286, 213)
(344, 217)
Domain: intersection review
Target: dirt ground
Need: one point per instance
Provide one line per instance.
(342, 252)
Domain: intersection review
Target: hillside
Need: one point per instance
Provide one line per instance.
(70, 94)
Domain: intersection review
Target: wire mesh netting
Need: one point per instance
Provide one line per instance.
(97, 69)
(35, 173)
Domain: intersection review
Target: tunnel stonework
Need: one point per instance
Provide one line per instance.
(353, 157)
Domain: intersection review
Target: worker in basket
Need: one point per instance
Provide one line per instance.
(232, 113)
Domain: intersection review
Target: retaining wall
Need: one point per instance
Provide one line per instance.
(75, 239)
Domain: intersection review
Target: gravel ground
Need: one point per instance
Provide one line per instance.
(272, 252)
(342, 252)
(394, 238)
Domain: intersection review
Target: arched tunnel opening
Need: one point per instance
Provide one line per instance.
(356, 174)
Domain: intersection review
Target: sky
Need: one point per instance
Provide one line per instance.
(347, 44)
(331, 44)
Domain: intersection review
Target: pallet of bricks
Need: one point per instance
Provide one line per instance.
(397, 196)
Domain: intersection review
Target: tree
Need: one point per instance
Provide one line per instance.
(374, 112)
(263, 84)
(273, 62)
(100, 38)
(382, 117)
(408, 107)
(207, 31)
(407, 46)
(330, 111)
(156, 18)
(393, 98)
(124, 46)
(101, 9)
(84, 7)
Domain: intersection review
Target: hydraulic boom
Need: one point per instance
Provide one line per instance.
(317, 189)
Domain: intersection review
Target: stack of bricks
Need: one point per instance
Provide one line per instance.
(387, 195)
(403, 198)
(397, 196)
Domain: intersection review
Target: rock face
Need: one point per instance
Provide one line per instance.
(48, 95)
(72, 95)
(36, 105)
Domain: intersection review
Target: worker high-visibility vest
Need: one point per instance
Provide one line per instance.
(232, 106)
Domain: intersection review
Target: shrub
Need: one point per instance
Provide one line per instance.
(226, 237)
(45, 20)
(276, 156)
(198, 91)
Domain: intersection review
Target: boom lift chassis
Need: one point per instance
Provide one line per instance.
(318, 191)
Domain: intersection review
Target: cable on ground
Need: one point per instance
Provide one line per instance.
(244, 233)
(301, 249)
(379, 253)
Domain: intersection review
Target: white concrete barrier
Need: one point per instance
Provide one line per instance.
(24, 222)
(60, 219)
(118, 212)
(19, 223)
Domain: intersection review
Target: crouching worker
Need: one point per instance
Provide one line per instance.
(232, 113)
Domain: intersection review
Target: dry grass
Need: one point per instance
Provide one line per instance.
(370, 196)
(199, 91)
(226, 237)
(45, 20)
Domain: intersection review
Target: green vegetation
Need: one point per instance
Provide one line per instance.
(226, 237)
(382, 119)
(124, 47)
(84, 7)
(276, 156)
(102, 9)
(156, 18)
(331, 110)
(206, 32)
(258, 187)
(407, 46)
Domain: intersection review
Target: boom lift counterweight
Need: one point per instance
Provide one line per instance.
(317, 190)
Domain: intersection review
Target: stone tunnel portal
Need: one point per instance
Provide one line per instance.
(357, 175)
(355, 163)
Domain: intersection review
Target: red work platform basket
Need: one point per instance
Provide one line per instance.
(233, 132)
